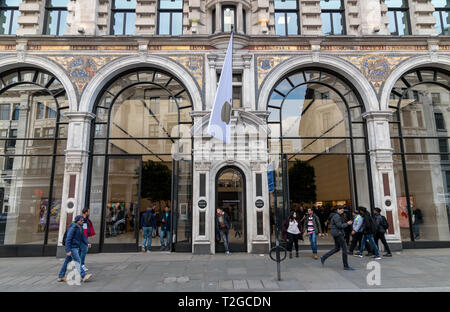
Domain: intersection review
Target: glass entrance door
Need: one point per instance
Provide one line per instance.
(230, 196)
(121, 204)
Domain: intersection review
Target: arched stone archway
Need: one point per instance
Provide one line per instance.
(438, 61)
(107, 73)
(339, 66)
(10, 62)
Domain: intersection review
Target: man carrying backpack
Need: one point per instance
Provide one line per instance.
(382, 226)
(368, 232)
(72, 241)
(148, 223)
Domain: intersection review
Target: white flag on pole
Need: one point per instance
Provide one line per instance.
(220, 120)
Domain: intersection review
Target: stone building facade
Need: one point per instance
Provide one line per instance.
(356, 89)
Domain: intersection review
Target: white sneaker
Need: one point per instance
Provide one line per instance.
(85, 268)
(228, 253)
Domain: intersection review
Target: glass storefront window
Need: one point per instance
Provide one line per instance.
(135, 138)
(316, 125)
(33, 166)
(420, 140)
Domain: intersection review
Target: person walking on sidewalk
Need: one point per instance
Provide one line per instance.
(165, 228)
(291, 231)
(222, 227)
(357, 233)
(337, 231)
(312, 226)
(88, 231)
(417, 219)
(368, 232)
(382, 226)
(148, 223)
(74, 237)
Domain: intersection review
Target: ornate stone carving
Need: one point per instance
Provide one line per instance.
(194, 64)
(82, 69)
(265, 64)
(202, 165)
(73, 167)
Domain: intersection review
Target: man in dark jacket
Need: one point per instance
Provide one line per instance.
(222, 227)
(313, 228)
(337, 231)
(165, 228)
(148, 223)
(73, 241)
(368, 232)
(382, 225)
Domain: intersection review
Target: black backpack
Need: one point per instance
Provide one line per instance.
(384, 223)
(148, 219)
(370, 224)
(64, 238)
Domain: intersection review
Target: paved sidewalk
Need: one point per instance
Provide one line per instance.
(409, 270)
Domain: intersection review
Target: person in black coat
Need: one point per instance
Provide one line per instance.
(368, 233)
(337, 231)
(382, 225)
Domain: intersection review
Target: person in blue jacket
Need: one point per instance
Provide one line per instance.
(148, 223)
(73, 241)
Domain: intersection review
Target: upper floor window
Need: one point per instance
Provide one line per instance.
(398, 14)
(333, 17)
(228, 18)
(5, 112)
(170, 17)
(286, 17)
(9, 11)
(56, 17)
(123, 17)
(442, 10)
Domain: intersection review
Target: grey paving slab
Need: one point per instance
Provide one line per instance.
(255, 284)
(225, 285)
(236, 271)
(269, 284)
(240, 284)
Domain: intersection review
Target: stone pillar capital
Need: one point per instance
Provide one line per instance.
(79, 116)
(377, 115)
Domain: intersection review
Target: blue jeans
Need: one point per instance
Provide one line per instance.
(224, 235)
(83, 251)
(76, 258)
(415, 227)
(147, 237)
(371, 241)
(162, 234)
(313, 241)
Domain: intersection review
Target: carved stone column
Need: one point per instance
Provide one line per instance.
(211, 83)
(382, 172)
(247, 94)
(75, 172)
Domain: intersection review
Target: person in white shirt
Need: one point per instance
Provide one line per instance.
(292, 228)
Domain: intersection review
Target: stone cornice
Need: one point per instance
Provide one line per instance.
(220, 41)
